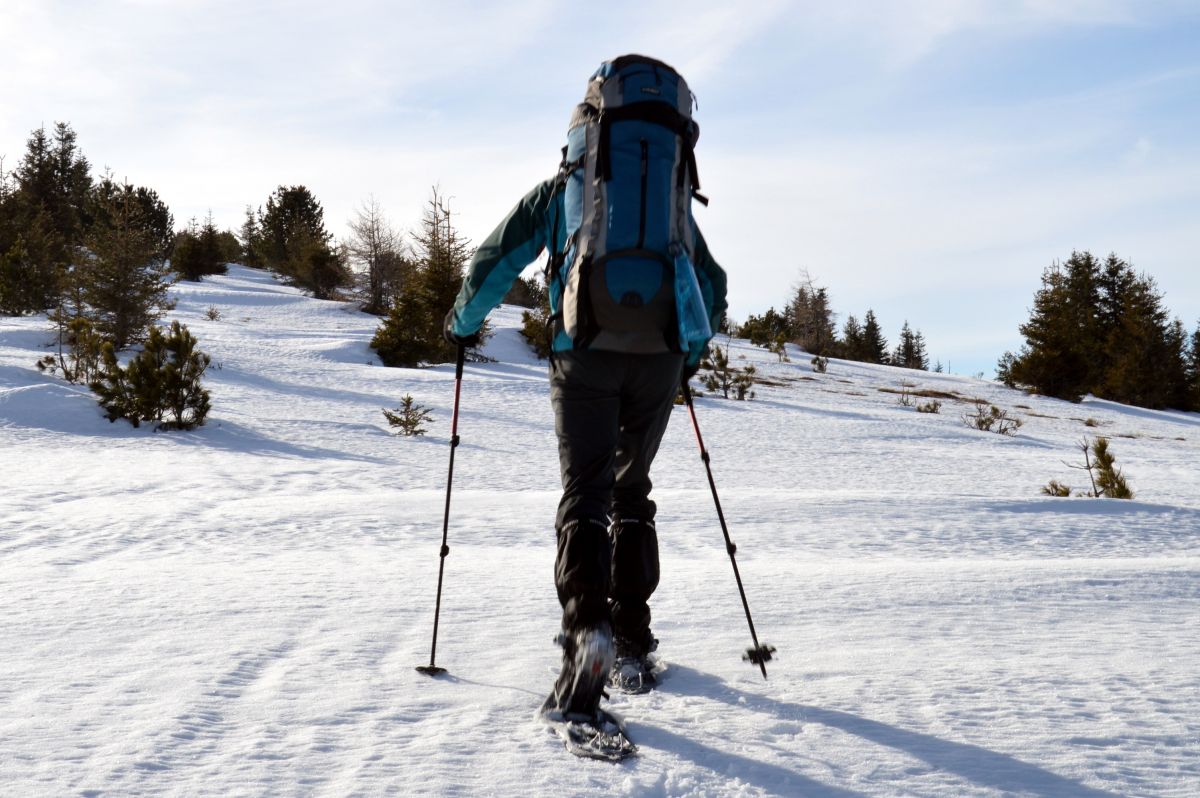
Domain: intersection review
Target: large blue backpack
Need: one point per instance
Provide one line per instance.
(628, 177)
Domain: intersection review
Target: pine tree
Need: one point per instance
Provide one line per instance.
(163, 381)
(874, 344)
(1062, 336)
(250, 237)
(852, 339)
(31, 272)
(1103, 330)
(1146, 359)
(723, 377)
(42, 220)
(810, 318)
(412, 331)
(54, 177)
(199, 251)
(123, 280)
(910, 351)
(766, 329)
(293, 242)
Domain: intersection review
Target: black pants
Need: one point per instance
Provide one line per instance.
(610, 412)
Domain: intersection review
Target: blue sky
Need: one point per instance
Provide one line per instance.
(924, 159)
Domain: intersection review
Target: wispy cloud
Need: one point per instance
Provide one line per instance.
(926, 158)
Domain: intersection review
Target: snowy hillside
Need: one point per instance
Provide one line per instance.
(238, 610)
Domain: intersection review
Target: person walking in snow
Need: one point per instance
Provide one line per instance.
(634, 298)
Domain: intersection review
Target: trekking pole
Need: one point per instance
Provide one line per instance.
(432, 669)
(760, 654)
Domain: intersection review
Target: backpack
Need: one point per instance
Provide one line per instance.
(628, 177)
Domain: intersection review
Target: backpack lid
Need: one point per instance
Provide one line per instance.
(620, 63)
(634, 78)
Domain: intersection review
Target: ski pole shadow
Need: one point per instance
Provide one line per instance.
(973, 763)
(449, 677)
(773, 779)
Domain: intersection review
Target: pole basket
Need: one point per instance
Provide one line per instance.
(760, 655)
(431, 670)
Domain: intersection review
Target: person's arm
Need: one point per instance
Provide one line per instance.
(512, 246)
(711, 278)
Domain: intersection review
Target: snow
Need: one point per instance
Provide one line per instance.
(238, 610)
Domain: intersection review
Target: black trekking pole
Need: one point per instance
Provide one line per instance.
(760, 654)
(432, 669)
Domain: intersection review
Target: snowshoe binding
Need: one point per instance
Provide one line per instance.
(636, 669)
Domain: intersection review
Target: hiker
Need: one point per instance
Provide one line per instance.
(634, 298)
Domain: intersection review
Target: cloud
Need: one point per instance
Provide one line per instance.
(923, 157)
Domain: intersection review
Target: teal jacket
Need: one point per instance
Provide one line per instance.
(521, 237)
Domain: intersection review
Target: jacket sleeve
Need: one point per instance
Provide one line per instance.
(512, 246)
(712, 288)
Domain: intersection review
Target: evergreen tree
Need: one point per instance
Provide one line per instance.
(1062, 336)
(853, 341)
(920, 354)
(198, 251)
(42, 219)
(161, 382)
(250, 237)
(294, 242)
(810, 318)
(718, 375)
(874, 344)
(527, 292)
(766, 329)
(910, 351)
(31, 271)
(1101, 329)
(123, 279)
(54, 177)
(412, 331)
(1146, 365)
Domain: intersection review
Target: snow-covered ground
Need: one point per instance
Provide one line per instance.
(238, 610)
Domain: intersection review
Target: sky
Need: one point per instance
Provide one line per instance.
(926, 159)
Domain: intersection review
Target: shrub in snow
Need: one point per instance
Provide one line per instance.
(408, 417)
(820, 364)
(198, 252)
(535, 329)
(79, 348)
(725, 378)
(778, 347)
(932, 406)
(1100, 464)
(1056, 488)
(1109, 481)
(989, 418)
(160, 384)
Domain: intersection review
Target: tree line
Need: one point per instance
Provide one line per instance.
(1100, 327)
(98, 255)
(809, 322)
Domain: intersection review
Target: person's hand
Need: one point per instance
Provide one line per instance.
(690, 370)
(457, 340)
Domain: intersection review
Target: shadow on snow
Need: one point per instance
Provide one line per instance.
(973, 763)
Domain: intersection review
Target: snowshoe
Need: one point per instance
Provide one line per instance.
(601, 736)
